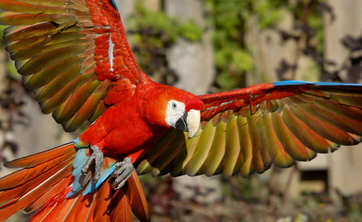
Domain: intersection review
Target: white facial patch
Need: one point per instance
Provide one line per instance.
(175, 110)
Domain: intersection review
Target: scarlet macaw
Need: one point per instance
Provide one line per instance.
(75, 57)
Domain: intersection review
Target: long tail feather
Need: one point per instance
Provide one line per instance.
(46, 180)
(42, 157)
(137, 198)
(35, 181)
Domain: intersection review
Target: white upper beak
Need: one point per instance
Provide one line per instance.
(193, 122)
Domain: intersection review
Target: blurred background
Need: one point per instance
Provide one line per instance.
(207, 46)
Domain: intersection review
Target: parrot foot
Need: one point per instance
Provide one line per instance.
(123, 173)
(97, 156)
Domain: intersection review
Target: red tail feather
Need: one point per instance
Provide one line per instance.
(137, 198)
(45, 180)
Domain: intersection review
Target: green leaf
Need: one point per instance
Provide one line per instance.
(242, 60)
(191, 31)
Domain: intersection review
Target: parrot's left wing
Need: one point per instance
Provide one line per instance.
(73, 54)
(247, 130)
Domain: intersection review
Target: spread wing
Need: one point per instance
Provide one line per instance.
(73, 54)
(248, 130)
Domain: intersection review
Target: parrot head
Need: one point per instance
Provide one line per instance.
(174, 108)
(180, 116)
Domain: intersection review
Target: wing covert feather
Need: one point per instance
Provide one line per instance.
(249, 130)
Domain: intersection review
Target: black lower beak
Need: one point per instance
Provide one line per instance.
(181, 123)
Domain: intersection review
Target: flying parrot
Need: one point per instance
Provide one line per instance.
(74, 56)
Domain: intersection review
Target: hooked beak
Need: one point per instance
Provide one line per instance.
(189, 122)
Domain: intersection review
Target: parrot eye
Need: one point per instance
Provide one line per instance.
(175, 107)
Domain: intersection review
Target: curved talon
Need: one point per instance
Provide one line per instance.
(97, 156)
(123, 173)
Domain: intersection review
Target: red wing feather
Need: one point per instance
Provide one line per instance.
(71, 54)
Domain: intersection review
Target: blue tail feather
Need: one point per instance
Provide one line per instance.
(104, 175)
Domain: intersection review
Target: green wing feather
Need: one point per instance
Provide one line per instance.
(249, 130)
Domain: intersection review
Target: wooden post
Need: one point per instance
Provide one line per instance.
(193, 61)
(194, 64)
(345, 165)
(125, 8)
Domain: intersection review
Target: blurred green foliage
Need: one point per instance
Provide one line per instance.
(309, 14)
(230, 20)
(233, 20)
(157, 21)
(152, 32)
